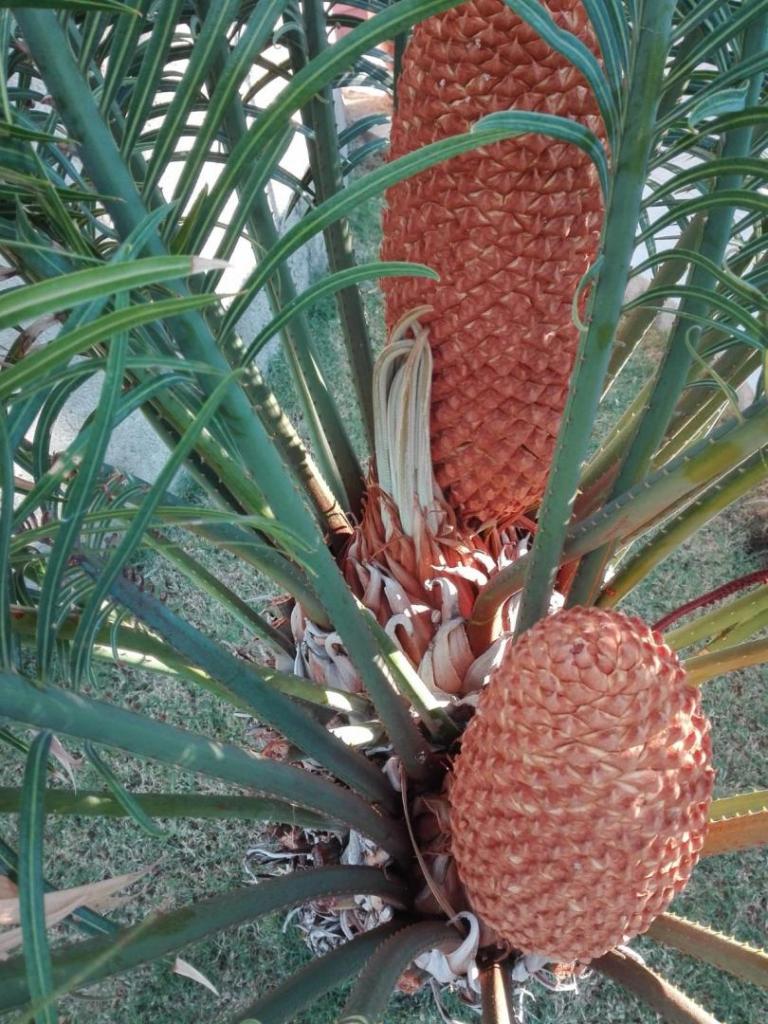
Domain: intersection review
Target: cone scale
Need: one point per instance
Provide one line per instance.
(579, 799)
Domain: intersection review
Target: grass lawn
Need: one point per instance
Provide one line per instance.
(199, 858)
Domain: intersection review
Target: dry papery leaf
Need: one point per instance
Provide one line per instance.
(69, 762)
(58, 905)
(186, 970)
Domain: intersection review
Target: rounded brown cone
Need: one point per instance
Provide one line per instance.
(511, 229)
(579, 800)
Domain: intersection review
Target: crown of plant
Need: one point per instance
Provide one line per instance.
(579, 800)
(511, 229)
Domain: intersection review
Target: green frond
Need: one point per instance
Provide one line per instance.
(63, 711)
(301, 989)
(37, 954)
(161, 934)
(727, 954)
(740, 832)
(92, 803)
(372, 991)
(741, 803)
(703, 667)
(669, 1002)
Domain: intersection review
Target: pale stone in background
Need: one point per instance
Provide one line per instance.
(134, 446)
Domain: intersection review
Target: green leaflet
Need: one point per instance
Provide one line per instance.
(575, 51)
(122, 48)
(740, 199)
(75, 5)
(240, 683)
(730, 281)
(721, 621)
(321, 975)
(370, 995)
(74, 375)
(252, 182)
(79, 495)
(610, 26)
(37, 954)
(126, 800)
(188, 89)
(49, 479)
(306, 84)
(90, 803)
(751, 329)
(642, 506)
(209, 583)
(492, 128)
(721, 82)
(131, 539)
(325, 167)
(68, 712)
(703, 667)
(741, 165)
(161, 934)
(68, 290)
(742, 631)
(731, 26)
(16, 131)
(11, 740)
(336, 458)
(71, 344)
(249, 46)
(215, 525)
(7, 489)
(327, 286)
(146, 84)
(702, 12)
(739, 803)
(749, 117)
(709, 504)
(623, 209)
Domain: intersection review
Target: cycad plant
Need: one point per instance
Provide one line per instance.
(537, 150)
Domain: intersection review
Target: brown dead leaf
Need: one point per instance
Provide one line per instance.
(411, 981)
(277, 749)
(60, 904)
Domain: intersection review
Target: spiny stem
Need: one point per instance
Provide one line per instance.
(704, 667)
(653, 38)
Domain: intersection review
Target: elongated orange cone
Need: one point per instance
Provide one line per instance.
(579, 799)
(511, 229)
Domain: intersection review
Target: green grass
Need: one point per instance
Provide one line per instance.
(199, 858)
